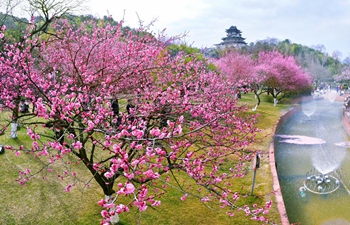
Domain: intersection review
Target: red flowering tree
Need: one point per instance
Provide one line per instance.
(281, 74)
(181, 117)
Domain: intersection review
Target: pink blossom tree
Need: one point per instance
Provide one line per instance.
(183, 119)
(240, 70)
(281, 74)
(271, 72)
(42, 14)
(344, 75)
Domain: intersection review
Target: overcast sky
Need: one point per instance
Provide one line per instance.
(306, 22)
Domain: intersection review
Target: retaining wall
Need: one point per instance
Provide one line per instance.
(346, 121)
(276, 184)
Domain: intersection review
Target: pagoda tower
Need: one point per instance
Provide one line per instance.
(233, 39)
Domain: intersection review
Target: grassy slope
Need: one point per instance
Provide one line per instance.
(45, 202)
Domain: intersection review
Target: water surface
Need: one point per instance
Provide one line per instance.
(314, 138)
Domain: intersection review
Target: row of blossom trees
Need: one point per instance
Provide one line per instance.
(69, 76)
(270, 72)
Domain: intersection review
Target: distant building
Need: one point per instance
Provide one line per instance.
(233, 39)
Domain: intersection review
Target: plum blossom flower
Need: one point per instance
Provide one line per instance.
(121, 208)
(104, 214)
(156, 203)
(68, 188)
(77, 145)
(101, 202)
(155, 132)
(183, 198)
(141, 205)
(129, 188)
(109, 174)
(138, 133)
(91, 125)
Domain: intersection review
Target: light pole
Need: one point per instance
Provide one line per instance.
(256, 166)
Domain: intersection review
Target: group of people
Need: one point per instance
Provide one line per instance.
(115, 108)
(342, 89)
(23, 106)
(164, 110)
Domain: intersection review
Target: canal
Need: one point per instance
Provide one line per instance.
(313, 164)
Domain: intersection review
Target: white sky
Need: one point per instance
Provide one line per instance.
(306, 22)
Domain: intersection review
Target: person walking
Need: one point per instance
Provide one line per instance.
(115, 109)
(130, 108)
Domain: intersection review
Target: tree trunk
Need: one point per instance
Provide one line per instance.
(258, 97)
(14, 123)
(115, 218)
(14, 126)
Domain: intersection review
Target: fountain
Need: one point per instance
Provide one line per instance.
(326, 160)
(309, 108)
(331, 96)
(322, 184)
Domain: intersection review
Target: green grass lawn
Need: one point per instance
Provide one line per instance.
(46, 202)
